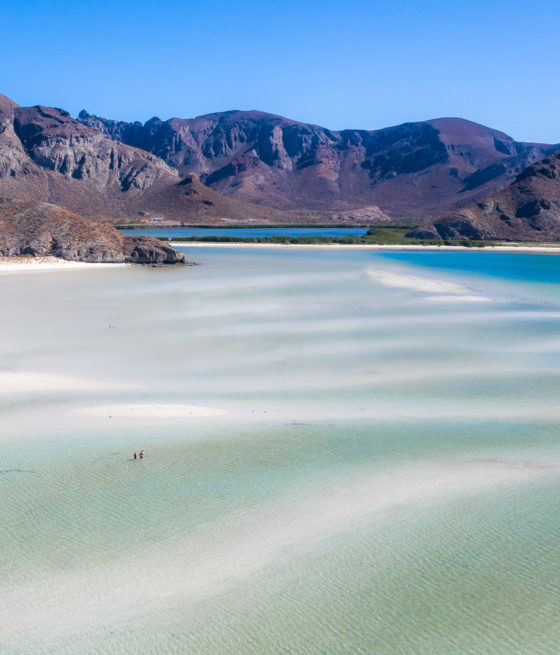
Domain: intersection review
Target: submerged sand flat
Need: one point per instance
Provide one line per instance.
(25, 382)
(146, 410)
(345, 451)
(190, 573)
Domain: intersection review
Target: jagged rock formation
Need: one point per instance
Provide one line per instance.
(411, 170)
(41, 229)
(46, 155)
(527, 210)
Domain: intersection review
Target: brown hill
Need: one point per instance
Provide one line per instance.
(46, 155)
(30, 228)
(411, 170)
(527, 210)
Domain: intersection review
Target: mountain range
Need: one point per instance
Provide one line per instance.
(409, 171)
(246, 167)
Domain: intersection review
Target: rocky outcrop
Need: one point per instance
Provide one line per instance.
(408, 170)
(146, 250)
(43, 229)
(364, 215)
(527, 210)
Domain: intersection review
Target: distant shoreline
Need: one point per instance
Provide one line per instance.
(245, 226)
(339, 246)
(9, 265)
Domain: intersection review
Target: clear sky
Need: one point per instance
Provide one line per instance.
(341, 64)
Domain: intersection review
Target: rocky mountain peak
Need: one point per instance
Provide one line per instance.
(7, 106)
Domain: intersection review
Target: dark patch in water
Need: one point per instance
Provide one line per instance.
(18, 471)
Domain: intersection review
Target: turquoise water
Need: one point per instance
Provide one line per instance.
(247, 232)
(540, 269)
(385, 478)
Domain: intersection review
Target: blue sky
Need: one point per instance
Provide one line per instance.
(351, 63)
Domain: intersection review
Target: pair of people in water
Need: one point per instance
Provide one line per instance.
(141, 455)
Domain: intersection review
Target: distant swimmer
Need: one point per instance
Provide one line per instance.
(135, 455)
(141, 454)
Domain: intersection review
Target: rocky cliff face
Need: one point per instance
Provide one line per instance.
(527, 210)
(412, 169)
(17, 170)
(57, 143)
(41, 229)
(46, 155)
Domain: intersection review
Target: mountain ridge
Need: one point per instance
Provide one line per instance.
(408, 170)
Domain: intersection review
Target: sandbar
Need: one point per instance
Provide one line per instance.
(450, 291)
(151, 410)
(406, 281)
(458, 299)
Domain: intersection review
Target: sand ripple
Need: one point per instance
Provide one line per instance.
(148, 410)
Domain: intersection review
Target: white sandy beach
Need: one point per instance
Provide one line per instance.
(26, 264)
(554, 249)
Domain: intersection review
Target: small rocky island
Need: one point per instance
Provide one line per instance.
(41, 229)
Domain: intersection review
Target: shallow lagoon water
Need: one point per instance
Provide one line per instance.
(245, 232)
(385, 479)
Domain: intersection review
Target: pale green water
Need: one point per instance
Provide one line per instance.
(386, 479)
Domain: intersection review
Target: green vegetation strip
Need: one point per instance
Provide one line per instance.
(383, 236)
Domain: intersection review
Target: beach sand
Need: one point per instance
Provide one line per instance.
(25, 264)
(554, 249)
